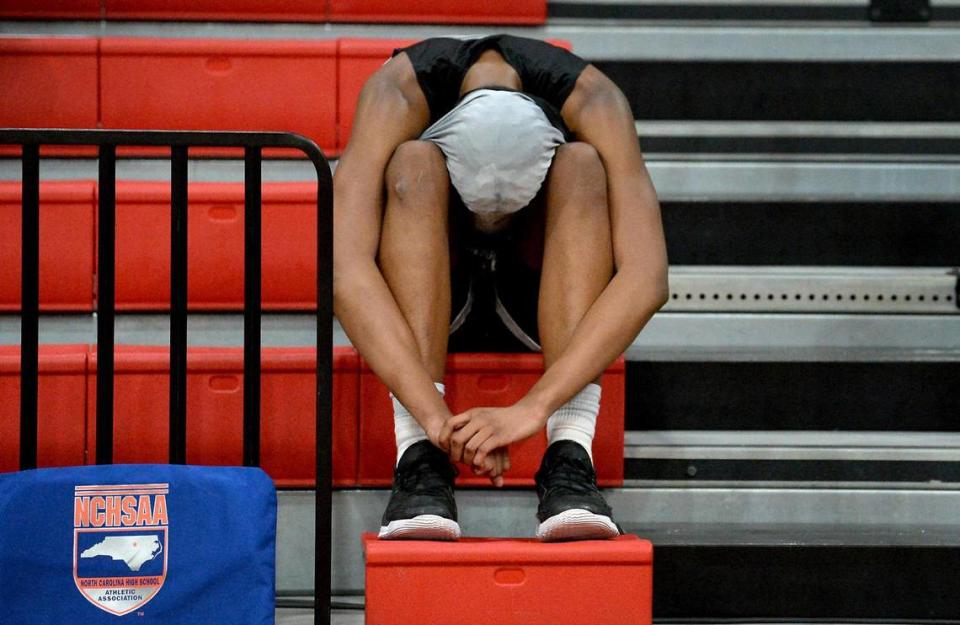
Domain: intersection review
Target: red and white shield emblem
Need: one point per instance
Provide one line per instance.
(120, 544)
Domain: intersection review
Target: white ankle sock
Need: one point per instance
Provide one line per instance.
(576, 420)
(406, 428)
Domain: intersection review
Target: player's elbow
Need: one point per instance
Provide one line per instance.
(656, 291)
(659, 281)
(662, 290)
(600, 94)
(651, 285)
(347, 277)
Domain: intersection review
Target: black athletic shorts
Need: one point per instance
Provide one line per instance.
(495, 281)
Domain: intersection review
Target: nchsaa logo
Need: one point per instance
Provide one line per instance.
(120, 544)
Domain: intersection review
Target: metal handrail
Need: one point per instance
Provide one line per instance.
(179, 142)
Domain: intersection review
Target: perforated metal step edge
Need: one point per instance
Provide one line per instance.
(607, 40)
(773, 337)
(813, 289)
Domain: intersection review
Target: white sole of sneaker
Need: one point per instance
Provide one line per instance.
(423, 527)
(577, 524)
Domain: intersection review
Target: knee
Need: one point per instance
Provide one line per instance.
(416, 172)
(578, 170)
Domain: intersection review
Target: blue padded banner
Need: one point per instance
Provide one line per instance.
(171, 545)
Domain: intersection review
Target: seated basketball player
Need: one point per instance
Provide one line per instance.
(494, 188)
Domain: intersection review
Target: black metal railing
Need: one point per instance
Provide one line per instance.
(178, 142)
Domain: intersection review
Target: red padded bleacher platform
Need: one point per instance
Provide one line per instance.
(308, 87)
(217, 10)
(61, 405)
(215, 410)
(475, 380)
(440, 11)
(50, 9)
(215, 246)
(288, 439)
(216, 84)
(66, 246)
(380, 11)
(509, 581)
(48, 82)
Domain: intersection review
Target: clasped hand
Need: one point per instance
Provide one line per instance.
(480, 436)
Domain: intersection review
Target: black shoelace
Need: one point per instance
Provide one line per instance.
(570, 475)
(427, 476)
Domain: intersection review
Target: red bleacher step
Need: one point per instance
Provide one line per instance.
(386, 11)
(476, 380)
(440, 12)
(220, 84)
(50, 9)
(216, 217)
(509, 582)
(66, 246)
(217, 10)
(48, 82)
(61, 409)
(215, 409)
(215, 247)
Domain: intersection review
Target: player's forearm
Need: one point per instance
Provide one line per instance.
(605, 332)
(638, 289)
(371, 318)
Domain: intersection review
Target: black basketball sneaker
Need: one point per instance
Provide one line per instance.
(571, 506)
(421, 505)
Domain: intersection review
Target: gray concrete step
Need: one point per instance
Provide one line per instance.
(668, 337)
(839, 540)
(827, 141)
(676, 178)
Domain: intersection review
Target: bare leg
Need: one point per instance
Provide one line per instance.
(414, 256)
(577, 266)
(414, 260)
(578, 252)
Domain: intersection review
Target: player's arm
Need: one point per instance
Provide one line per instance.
(598, 113)
(391, 110)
